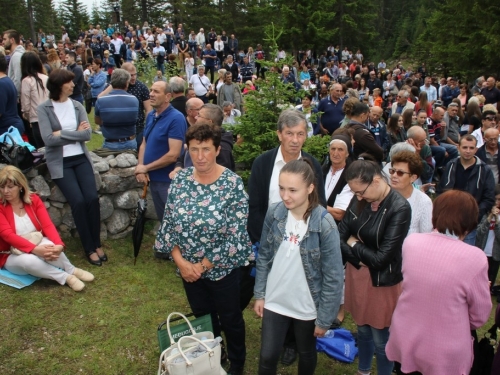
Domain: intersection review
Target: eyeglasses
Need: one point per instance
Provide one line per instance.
(490, 139)
(360, 194)
(398, 172)
(489, 118)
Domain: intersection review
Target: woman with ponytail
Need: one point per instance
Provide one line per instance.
(299, 270)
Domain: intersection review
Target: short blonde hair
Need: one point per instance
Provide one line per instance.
(490, 107)
(14, 175)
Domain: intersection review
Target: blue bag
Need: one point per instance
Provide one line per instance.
(338, 344)
(14, 134)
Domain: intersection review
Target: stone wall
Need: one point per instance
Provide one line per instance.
(118, 195)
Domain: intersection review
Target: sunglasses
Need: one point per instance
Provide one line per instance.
(398, 172)
(489, 118)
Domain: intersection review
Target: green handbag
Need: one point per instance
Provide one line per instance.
(200, 327)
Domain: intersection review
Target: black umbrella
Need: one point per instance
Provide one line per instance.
(138, 231)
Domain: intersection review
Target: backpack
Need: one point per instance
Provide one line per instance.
(260, 55)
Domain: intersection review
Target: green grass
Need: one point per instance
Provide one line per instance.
(109, 327)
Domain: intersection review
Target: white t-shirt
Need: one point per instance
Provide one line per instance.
(66, 115)
(117, 43)
(274, 188)
(287, 291)
(161, 37)
(200, 85)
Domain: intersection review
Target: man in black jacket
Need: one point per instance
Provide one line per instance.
(469, 173)
(488, 152)
(263, 190)
(72, 66)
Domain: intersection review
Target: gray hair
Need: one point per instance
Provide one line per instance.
(177, 85)
(403, 93)
(120, 79)
(227, 104)
(400, 146)
(291, 118)
(214, 113)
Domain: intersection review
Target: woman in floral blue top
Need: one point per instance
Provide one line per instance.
(204, 230)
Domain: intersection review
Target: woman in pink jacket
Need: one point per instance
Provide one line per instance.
(445, 293)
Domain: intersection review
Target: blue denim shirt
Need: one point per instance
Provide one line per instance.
(321, 258)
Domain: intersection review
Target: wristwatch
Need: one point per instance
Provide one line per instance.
(205, 268)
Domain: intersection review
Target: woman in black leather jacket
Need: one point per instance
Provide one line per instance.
(371, 236)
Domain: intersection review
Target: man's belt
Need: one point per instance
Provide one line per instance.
(120, 139)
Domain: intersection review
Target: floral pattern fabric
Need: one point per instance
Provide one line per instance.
(207, 221)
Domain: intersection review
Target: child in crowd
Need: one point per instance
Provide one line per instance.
(297, 239)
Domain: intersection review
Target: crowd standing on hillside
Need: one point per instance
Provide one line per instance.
(397, 136)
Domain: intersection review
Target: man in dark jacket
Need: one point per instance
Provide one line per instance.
(469, 173)
(378, 129)
(263, 190)
(363, 137)
(72, 66)
(488, 152)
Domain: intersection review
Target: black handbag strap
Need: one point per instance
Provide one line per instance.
(203, 84)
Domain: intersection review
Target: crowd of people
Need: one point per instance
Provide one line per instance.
(309, 239)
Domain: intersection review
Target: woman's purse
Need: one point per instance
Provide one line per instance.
(192, 356)
(34, 237)
(17, 155)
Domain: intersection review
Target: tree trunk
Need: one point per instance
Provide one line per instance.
(30, 20)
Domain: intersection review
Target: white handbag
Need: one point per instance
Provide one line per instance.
(198, 335)
(180, 358)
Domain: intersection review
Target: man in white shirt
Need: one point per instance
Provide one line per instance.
(161, 37)
(201, 84)
(430, 90)
(382, 65)
(200, 38)
(117, 42)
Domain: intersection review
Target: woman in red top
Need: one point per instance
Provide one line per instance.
(22, 213)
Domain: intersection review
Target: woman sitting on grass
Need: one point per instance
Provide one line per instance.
(23, 221)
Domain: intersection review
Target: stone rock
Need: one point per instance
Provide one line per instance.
(106, 207)
(57, 204)
(64, 231)
(32, 173)
(40, 186)
(113, 163)
(67, 217)
(46, 204)
(95, 158)
(55, 215)
(122, 161)
(151, 212)
(103, 234)
(117, 180)
(120, 235)
(101, 166)
(131, 159)
(126, 200)
(98, 180)
(109, 157)
(117, 222)
(57, 195)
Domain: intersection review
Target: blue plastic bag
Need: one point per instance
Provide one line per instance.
(338, 344)
(16, 136)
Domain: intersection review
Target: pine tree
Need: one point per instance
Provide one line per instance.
(74, 17)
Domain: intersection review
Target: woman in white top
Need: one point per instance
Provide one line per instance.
(65, 128)
(219, 48)
(388, 85)
(33, 93)
(405, 170)
(299, 238)
(189, 65)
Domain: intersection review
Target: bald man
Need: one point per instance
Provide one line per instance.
(488, 152)
(418, 139)
(193, 107)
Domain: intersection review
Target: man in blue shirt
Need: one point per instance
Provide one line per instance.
(164, 136)
(332, 110)
(209, 56)
(117, 114)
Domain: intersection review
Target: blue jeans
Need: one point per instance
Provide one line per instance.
(78, 187)
(470, 239)
(221, 299)
(274, 329)
(451, 150)
(372, 340)
(159, 192)
(160, 66)
(117, 146)
(438, 153)
(78, 98)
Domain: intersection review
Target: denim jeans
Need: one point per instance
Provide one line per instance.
(470, 239)
(438, 153)
(159, 193)
(372, 340)
(78, 187)
(221, 299)
(117, 146)
(451, 150)
(274, 330)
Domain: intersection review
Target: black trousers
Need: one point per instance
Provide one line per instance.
(37, 137)
(221, 299)
(78, 187)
